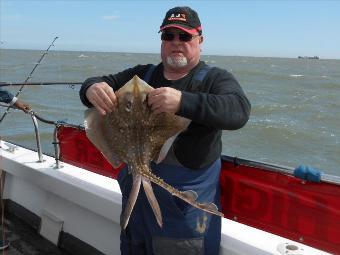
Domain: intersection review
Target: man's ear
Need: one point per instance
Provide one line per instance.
(201, 38)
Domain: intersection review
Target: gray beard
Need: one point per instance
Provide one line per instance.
(177, 62)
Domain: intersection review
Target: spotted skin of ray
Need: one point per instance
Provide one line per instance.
(133, 134)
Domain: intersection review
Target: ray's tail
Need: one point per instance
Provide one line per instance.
(188, 196)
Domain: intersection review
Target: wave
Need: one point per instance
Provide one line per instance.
(82, 56)
(296, 75)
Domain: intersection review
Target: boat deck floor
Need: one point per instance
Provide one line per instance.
(24, 240)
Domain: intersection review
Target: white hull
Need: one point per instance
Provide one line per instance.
(87, 206)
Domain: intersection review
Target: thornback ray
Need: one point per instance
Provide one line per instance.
(133, 134)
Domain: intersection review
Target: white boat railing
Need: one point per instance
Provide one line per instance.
(37, 137)
(56, 124)
(35, 118)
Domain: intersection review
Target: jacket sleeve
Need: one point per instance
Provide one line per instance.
(7, 97)
(114, 80)
(220, 103)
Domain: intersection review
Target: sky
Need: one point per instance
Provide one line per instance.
(230, 28)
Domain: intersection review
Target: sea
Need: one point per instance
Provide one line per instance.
(295, 116)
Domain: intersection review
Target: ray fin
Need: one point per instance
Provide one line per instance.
(152, 200)
(209, 207)
(94, 125)
(124, 220)
(190, 195)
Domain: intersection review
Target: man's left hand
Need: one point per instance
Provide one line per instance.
(164, 99)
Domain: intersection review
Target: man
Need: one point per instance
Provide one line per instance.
(8, 98)
(213, 100)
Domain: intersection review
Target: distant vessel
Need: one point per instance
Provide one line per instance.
(306, 57)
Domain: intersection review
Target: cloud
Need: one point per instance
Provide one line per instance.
(110, 17)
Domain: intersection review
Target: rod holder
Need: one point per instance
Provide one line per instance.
(56, 147)
(37, 137)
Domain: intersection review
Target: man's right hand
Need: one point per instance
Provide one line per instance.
(102, 97)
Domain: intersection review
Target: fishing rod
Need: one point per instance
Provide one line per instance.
(41, 83)
(29, 77)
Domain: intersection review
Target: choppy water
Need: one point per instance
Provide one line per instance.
(295, 102)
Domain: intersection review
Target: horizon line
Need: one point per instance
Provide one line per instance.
(131, 52)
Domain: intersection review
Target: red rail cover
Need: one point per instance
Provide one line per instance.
(282, 204)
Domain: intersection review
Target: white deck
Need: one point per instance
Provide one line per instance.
(87, 206)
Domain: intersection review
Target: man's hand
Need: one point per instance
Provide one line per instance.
(22, 106)
(164, 99)
(102, 97)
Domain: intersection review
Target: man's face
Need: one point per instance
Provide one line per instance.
(180, 49)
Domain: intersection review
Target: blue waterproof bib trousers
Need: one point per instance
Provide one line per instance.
(186, 230)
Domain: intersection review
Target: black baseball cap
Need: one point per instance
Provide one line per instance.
(183, 18)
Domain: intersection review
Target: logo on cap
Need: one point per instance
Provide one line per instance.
(179, 16)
